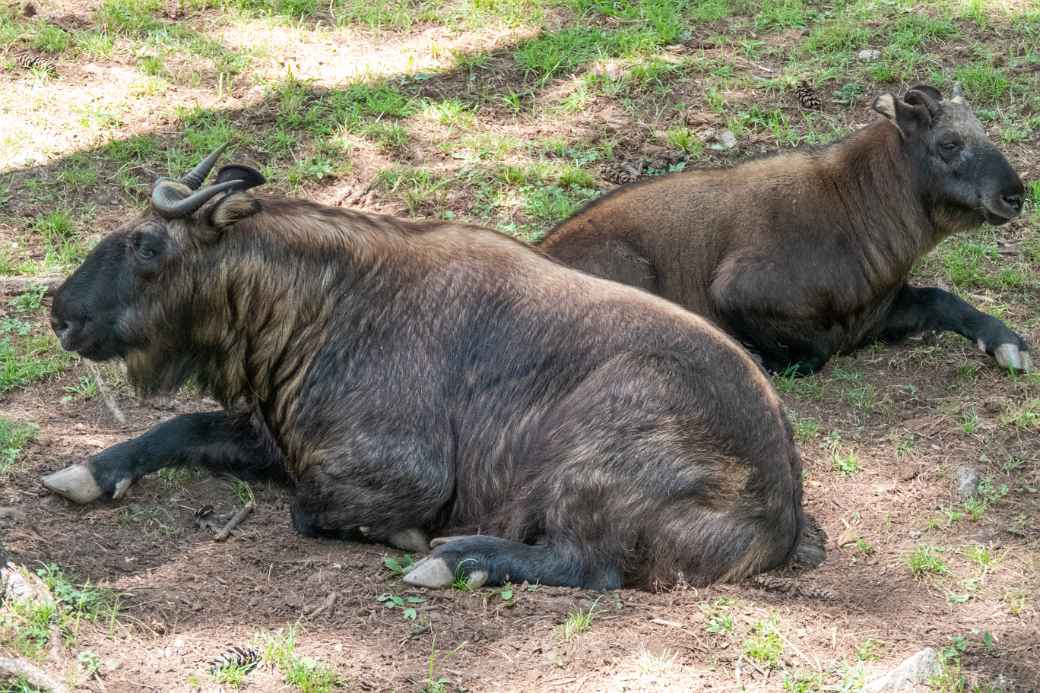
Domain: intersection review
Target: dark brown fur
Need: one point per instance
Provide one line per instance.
(407, 377)
(805, 254)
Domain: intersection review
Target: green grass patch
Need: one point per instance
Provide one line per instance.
(982, 83)
(51, 39)
(551, 204)
(14, 436)
(129, 17)
(562, 52)
(926, 560)
(301, 673)
(418, 188)
(26, 625)
(764, 645)
(25, 354)
(578, 621)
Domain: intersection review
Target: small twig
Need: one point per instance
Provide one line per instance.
(18, 285)
(106, 394)
(14, 668)
(235, 521)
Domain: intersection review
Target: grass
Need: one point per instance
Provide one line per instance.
(26, 359)
(407, 604)
(926, 560)
(14, 436)
(300, 673)
(399, 566)
(27, 625)
(764, 645)
(578, 621)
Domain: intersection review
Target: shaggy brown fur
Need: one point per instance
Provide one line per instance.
(410, 378)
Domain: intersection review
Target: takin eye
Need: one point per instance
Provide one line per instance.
(144, 247)
(951, 146)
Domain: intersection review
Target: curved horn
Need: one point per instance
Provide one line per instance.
(171, 202)
(198, 174)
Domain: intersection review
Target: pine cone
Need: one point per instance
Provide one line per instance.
(808, 97)
(31, 61)
(622, 172)
(235, 657)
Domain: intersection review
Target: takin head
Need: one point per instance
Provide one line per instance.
(960, 175)
(100, 312)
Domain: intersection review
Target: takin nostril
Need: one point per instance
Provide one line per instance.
(1013, 201)
(60, 327)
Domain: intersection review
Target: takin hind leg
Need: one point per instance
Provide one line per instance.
(479, 560)
(220, 442)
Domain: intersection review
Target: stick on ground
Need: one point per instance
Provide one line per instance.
(10, 286)
(235, 521)
(35, 676)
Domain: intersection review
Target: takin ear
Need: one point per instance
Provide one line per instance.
(924, 95)
(908, 117)
(233, 208)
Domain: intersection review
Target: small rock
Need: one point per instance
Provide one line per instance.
(868, 54)
(725, 140)
(967, 481)
(29, 10)
(912, 671)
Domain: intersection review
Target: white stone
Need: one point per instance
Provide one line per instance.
(911, 672)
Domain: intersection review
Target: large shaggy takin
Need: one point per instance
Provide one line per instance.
(413, 379)
(807, 254)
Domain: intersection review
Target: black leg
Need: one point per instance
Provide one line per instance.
(215, 441)
(917, 310)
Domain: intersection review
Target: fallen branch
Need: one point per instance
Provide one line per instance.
(106, 394)
(33, 675)
(235, 521)
(19, 285)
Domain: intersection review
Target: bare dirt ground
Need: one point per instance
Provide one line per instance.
(922, 461)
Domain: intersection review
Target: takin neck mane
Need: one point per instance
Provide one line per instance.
(251, 299)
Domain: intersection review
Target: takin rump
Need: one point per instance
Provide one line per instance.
(407, 380)
(807, 254)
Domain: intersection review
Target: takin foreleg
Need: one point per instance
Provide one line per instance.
(918, 310)
(217, 441)
(485, 560)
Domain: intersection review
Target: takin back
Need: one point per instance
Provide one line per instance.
(407, 380)
(806, 254)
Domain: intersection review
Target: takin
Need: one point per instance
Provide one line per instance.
(410, 380)
(806, 254)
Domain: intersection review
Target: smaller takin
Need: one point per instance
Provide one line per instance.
(410, 380)
(807, 254)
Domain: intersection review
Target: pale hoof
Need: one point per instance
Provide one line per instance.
(476, 579)
(75, 483)
(413, 540)
(430, 572)
(1010, 356)
(434, 543)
